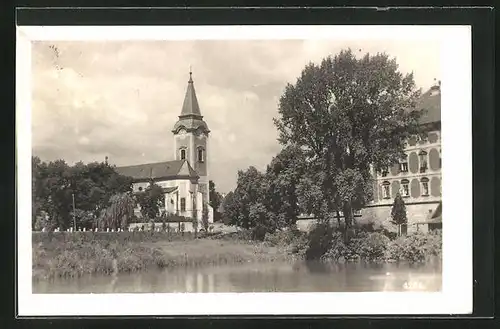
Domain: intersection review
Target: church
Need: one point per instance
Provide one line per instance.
(184, 179)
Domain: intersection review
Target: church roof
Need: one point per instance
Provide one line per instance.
(190, 124)
(190, 107)
(190, 118)
(160, 170)
(430, 101)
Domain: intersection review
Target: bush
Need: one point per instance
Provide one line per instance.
(369, 246)
(320, 240)
(338, 249)
(415, 248)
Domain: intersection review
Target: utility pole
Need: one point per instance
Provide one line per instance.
(74, 220)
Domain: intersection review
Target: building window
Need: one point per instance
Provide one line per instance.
(439, 158)
(425, 186)
(183, 204)
(385, 171)
(423, 161)
(405, 188)
(386, 190)
(200, 155)
(140, 188)
(403, 166)
(183, 154)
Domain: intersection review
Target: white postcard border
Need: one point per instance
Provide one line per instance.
(456, 295)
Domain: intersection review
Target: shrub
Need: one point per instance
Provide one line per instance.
(338, 249)
(369, 246)
(320, 240)
(415, 248)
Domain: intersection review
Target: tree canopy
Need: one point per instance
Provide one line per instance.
(151, 200)
(56, 183)
(348, 115)
(398, 212)
(215, 200)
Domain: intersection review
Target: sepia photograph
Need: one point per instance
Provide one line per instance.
(254, 166)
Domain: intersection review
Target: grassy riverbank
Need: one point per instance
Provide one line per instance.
(64, 254)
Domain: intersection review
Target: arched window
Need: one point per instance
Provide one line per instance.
(405, 188)
(183, 154)
(423, 161)
(201, 154)
(386, 190)
(403, 165)
(425, 186)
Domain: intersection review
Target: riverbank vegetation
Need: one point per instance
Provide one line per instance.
(64, 254)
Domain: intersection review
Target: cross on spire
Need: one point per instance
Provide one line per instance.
(190, 74)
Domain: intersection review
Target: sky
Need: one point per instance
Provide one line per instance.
(121, 99)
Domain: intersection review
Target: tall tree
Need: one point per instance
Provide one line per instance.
(283, 176)
(151, 200)
(348, 114)
(215, 200)
(249, 191)
(229, 209)
(118, 213)
(398, 212)
(92, 185)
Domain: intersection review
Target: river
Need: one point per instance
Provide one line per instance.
(261, 277)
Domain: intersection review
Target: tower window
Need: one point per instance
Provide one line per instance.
(183, 154)
(200, 155)
(183, 204)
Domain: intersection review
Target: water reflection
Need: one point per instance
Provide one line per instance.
(266, 277)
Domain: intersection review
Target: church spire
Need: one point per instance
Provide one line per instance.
(190, 107)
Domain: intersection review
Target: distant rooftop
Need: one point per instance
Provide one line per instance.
(168, 169)
(431, 102)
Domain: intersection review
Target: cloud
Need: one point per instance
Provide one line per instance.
(121, 99)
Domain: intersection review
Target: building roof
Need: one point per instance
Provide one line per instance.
(190, 118)
(430, 101)
(167, 170)
(434, 217)
(190, 107)
(190, 124)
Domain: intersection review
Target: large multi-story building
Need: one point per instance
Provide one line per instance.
(417, 177)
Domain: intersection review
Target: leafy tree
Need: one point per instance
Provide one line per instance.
(260, 222)
(118, 213)
(56, 183)
(249, 191)
(282, 178)
(346, 115)
(229, 208)
(215, 200)
(398, 212)
(151, 200)
(84, 218)
(204, 218)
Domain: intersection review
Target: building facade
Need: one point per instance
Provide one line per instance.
(185, 178)
(417, 177)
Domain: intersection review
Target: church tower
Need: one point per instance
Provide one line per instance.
(191, 138)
